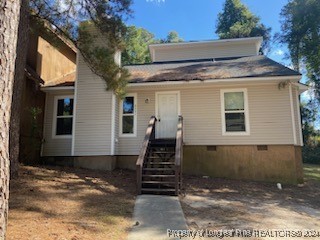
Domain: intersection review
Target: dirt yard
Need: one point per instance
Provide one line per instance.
(54, 203)
(217, 204)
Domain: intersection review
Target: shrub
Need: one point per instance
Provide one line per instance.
(311, 154)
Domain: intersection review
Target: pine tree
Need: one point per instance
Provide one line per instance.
(88, 23)
(136, 46)
(9, 21)
(236, 21)
(300, 21)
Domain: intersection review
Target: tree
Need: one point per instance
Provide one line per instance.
(236, 21)
(86, 23)
(137, 41)
(300, 21)
(22, 47)
(308, 117)
(136, 50)
(173, 37)
(9, 21)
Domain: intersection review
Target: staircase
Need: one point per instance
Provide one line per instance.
(159, 163)
(158, 171)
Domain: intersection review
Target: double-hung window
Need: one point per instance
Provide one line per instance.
(63, 116)
(128, 113)
(235, 119)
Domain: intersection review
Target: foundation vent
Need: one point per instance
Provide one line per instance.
(212, 148)
(262, 148)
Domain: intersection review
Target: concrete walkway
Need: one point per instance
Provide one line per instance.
(154, 215)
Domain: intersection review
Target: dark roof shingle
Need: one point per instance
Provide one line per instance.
(243, 67)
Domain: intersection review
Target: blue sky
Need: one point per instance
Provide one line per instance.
(196, 19)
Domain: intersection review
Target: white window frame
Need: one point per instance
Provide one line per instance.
(246, 112)
(55, 117)
(134, 134)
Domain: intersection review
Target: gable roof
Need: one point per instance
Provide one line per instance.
(65, 80)
(243, 67)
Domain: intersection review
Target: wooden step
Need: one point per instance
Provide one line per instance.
(158, 157)
(158, 169)
(157, 182)
(160, 163)
(158, 175)
(158, 189)
(162, 152)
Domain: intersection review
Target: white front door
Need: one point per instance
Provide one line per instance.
(167, 114)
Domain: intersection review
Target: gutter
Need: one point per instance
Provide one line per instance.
(52, 89)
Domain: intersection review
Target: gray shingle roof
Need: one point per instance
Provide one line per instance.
(244, 67)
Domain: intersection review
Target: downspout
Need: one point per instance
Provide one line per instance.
(292, 115)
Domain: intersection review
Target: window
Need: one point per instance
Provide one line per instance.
(63, 116)
(128, 115)
(234, 112)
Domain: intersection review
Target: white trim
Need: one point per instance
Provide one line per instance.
(54, 122)
(113, 122)
(157, 103)
(292, 115)
(75, 107)
(297, 78)
(299, 117)
(246, 112)
(135, 117)
(49, 89)
(302, 88)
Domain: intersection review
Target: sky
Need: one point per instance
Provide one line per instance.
(196, 19)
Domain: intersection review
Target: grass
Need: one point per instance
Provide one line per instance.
(311, 171)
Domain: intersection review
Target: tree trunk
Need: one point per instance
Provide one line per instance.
(9, 21)
(18, 86)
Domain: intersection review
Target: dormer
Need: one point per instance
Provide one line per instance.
(215, 49)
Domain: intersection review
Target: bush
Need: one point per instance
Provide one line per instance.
(311, 154)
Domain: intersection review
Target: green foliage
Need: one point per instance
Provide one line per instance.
(311, 154)
(172, 37)
(300, 21)
(137, 41)
(33, 144)
(81, 21)
(308, 116)
(236, 21)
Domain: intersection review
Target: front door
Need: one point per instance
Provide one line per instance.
(167, 114)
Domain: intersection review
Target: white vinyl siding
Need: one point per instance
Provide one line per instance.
(269, 116)
(131, 146)
(93, 114)
(54, 146)
(116, 127)
(204, 52)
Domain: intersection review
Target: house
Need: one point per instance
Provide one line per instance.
(51, 60)
(240, 116)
